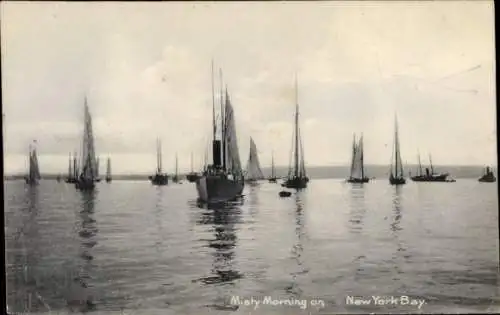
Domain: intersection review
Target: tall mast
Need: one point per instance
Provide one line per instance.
(419, 164)
(222, 119)
(361, 157)
(75, 166)
(213, 103)
(353, 153)
(296, 156)
(396, 144)
(430, 161)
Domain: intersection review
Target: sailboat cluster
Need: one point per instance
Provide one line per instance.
(224, 179)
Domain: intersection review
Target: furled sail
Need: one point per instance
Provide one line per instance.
(253, 171)
(233, 162)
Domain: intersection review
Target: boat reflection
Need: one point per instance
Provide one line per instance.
(357, 208)
(80, 296)
(297, 250)
(400, 256)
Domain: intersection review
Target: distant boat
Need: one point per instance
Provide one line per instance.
(87, 178)
(223, 180)
(176, 178)
(33, 171)
(357, 163)
(253, 172)
(273, 178)
(58, 178)
(72, 169)
(488, 176)
(192, 176)
(397, 173)
(159, 179)
(429, 175)
(108, 171)
(297, 177)
(97, 177)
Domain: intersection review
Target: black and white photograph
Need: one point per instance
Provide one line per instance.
(261, 157)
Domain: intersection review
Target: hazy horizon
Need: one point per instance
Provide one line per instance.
(145, 68)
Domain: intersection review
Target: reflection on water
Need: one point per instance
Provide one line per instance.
(81, 294)
(357, 208)
(400, 257)
(297, 249)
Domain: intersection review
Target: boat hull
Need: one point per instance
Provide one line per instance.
(272, 180)
(487, 179)
(192, 177)
(296, 182)
(85, 184)
(159, 180)
(31, 181)
(431, 178)
(397, 180)
(218, 188)
(358, 180)
(108, 179)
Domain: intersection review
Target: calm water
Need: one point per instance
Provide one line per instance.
(134, 248)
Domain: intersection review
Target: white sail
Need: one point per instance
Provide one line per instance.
(357, 167)
(253, 170)
(108, 168)
(89, 162)
(233, 162)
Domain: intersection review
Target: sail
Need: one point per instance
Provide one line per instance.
(108, 168)
(357, 168)
(34, 171)
(253, 170)
(89, 161)
(233, 162)
(398, 163)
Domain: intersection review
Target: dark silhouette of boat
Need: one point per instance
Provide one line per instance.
(429, 175)
(253, 172)
(396, 176)
(159, 179)
(88, 176)
(357, 175)
(488, 176)
(176, 179)
(223, 180)
(297, 177)
(72, 170)
(108, 171)
(192, 176)
(33, 175)
(273, 178)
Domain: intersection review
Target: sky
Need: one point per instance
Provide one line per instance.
(146, 71)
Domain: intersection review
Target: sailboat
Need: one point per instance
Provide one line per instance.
(108, 171)
(71, 174)
(176, 178)
(87, 178)
(272, 179)
(297, 177)
(97, 177)
(33, 171)
(429, 175)
(159, 179)
(488, 176)
(397, 174)
(253, 172)
(223, 180)
(192, 176)
(357, 163)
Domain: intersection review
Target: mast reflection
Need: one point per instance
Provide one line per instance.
(297, 250)
(357, 209)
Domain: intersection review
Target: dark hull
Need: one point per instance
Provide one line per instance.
(175, 179)
(159, 180)
(218, 189)
(487, 179)
(296, 182)
(85, 184)
(192, 177)
(431, 178)
(397, 180)
(358, 180)
(31, 181)
(70, 180)
(272, 180)
(108, 179)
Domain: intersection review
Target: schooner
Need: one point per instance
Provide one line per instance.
(159, 178)
(33, 171)
(396, 174)
(297, 177)
(357, 163)
(88, 173)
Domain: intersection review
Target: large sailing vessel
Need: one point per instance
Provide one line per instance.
(176, 178)
(72, 169)
(88, 176)
(396, 174)
(33, 175)
(253, 171)
(223, 180)
(297, 177)
(159, 178)
(357, 163)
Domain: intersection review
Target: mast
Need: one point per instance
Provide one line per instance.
(213, 102)
(296, 153)
(222, 119)
(361, 156)
(69, 166)
(419, 164)
(75, 166)
(430, 161)
(108, 168)
(396, 145)
(353, 152)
